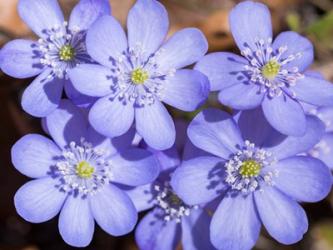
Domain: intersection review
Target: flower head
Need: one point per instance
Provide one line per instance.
(252, 168)
(170, 220)
(270, 73)
(139, 71)
(60, 48)
(78, 174)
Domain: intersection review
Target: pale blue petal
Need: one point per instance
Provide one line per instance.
(216, 132)
(39, 200)
(223, 69)
(113, 210)
(284, 219)
(285, 115)
(235, 224)
(106, 40)
(142, 197)
(155, 125)
(43, 95)
(199, 180)
(40, 15)
(76, 223)
(245, 20)
(86, 12)
(21, 59)
(303, 178)
(187, 90)
(147, 26)
(33, 155)
(67, 124)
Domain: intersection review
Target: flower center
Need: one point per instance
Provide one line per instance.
(139, 76)
(173, 207)
(84, 169)
(250, 168)
(245, 170)
(271, 69)
(66, 53)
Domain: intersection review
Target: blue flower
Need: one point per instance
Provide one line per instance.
(257, 174)
(78, 174)
(139, 71)
(61, 46)
(170, 221)
(269, 73)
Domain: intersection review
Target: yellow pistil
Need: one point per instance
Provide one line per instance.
(250, 168)
(139, 76)
(271, 69)
(84, 169)
(66, 53)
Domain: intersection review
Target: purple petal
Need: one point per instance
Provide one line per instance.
(43, 95)
(113, 210)
(111, 117)
(91, 79)
(106, 40)
(204, 175)
(314, 91)
(254, 127)
(241, 96)
(40, 15)
(67, 124)
(155, 125)
(187, 90)
(39, 200)
(134, 167)
(168, 159)
(76, 97)
(293, 145)
(215, 132)
(20, 59)
(195, 230)
(244, 20)
(86, 12)
(285, 115)
(142, 197)
(154, 233)
(284, 219)
(184, 48)
(147, 26)
(314, 179)
(76, 223)
(223, 69)
(33, 155)
(231, 232)
(295, 44)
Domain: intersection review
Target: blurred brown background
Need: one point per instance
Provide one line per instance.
(313, 18)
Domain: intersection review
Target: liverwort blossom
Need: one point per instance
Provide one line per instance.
(140, 71)
(79, 174)
(61, 47)
(258, 175)
(269, 73)
(171, 221)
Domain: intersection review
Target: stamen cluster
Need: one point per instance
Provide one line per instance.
(82, 170)
(173, 207)
(245, 169)
(267, 68)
